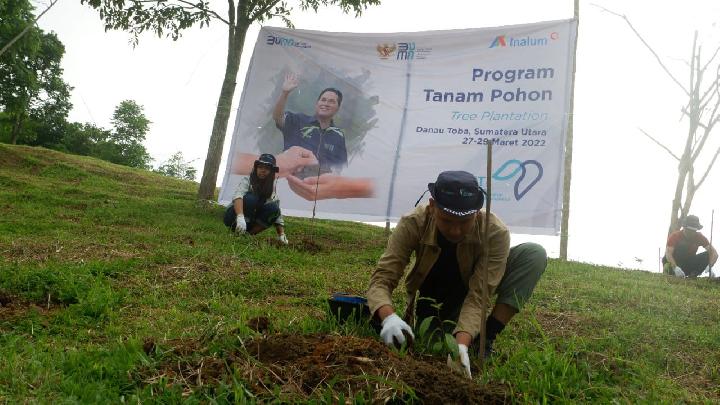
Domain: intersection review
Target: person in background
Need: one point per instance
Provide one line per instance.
(446, 236)
(255, 205)
(681, 257)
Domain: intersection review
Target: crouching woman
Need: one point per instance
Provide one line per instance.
(255, 204)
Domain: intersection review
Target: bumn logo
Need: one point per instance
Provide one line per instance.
(403, 51)
(285, 41)
(406, 51)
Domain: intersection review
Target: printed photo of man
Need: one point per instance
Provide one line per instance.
(314, 149)
(317, 133)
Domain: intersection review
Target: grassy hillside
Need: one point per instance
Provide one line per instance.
(115, 286)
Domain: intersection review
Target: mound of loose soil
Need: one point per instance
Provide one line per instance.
(314, 359)
(305, 366)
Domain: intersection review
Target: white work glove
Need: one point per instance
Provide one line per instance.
(241, 226)
(678, 272)
(464, 361)
(283, 239)
(392, 329)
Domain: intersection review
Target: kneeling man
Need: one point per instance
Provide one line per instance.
(446, 237)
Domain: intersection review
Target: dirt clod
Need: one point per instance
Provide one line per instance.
(149, 346)
(5, 299)
(259, 324)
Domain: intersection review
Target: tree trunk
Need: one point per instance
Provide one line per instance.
(236, 41)
(685, 166)
(15, 133)
(675, 211)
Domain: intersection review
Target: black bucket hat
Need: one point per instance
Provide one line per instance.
(267, 160)
(692, 223)
(457, 193)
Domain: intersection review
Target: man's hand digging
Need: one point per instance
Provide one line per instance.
(392, 330)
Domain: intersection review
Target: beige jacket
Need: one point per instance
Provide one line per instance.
(416, 232)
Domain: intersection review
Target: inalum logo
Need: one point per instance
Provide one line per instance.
(498, 41)
(502, 41)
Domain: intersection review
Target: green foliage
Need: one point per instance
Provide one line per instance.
(177, 167)
(122, 145)
(34, 99)
(131, 125)
(170, 18)
(81, 139)
(126, 255)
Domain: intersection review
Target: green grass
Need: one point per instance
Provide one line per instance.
(98, 258)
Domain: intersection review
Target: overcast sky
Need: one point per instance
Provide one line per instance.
(622, 183)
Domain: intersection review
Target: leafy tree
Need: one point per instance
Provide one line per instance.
(28, 27)
(33, 95)
(177, 167)
(170, 17)
(124, 145)
(130, 123)
(82, 139)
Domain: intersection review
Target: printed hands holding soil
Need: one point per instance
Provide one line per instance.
(330, 186)
(293, 160)
(290, 161)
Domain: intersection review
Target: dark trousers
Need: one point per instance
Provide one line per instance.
(691, 265)
(526, 263)
(255, 211)
(694, 265)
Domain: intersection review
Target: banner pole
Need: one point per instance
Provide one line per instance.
(397, 149)
(567, 166)
(712, 223)
(486, 257)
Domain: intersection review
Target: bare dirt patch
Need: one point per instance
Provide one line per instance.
(306, 366)
(561, 324)
(33, 250)
(12, 307)
(308, 245)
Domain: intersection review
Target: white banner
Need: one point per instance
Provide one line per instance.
(413, 105)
